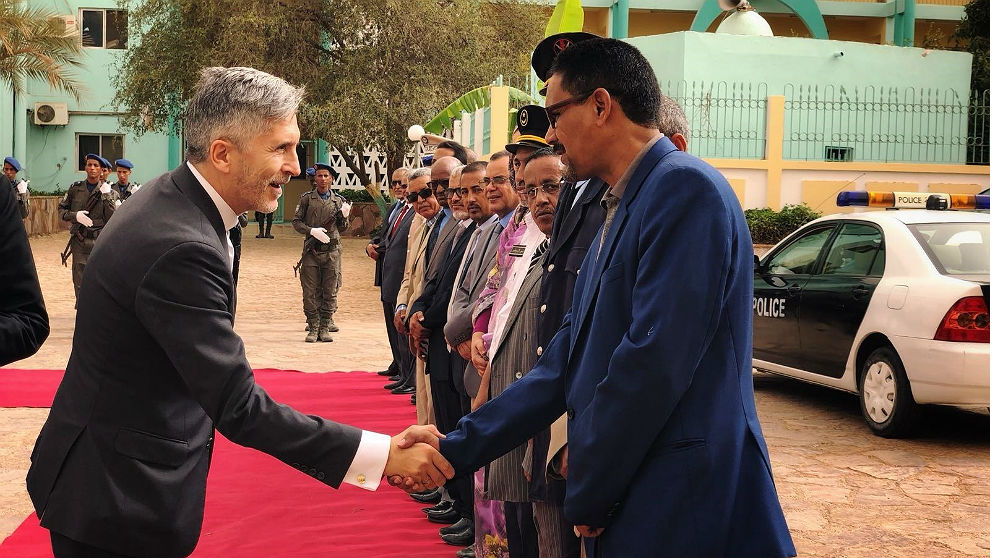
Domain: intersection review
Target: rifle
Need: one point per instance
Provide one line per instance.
(90, 204)
(310, 241)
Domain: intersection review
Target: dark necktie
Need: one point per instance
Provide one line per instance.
(399, 220)
(432, 239)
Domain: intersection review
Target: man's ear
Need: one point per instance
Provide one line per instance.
(604, 104)
(222, 155)
(679, 141)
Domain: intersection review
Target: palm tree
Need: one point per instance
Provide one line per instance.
(35, 44)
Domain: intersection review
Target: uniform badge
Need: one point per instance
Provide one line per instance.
(517, 250)
(560, 45)
(522, 117)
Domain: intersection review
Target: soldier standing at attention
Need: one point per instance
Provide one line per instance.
(264, 224)
(10, 168)
(124, 187)
(319, 218)
(88, 204)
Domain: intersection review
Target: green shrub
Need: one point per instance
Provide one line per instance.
(355, 195)
(768, 226)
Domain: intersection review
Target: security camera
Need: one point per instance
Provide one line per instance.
(839, 54)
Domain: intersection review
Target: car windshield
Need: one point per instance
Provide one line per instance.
(956, 248)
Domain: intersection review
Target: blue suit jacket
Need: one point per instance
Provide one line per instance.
(653, 366)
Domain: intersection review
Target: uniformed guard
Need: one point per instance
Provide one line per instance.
(105, 169)
(88, 204)
(319, 218)
(10, 168)
(124, 187)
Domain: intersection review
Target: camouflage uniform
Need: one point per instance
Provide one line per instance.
(101, 207)
(23, 200)
(320, 272)
(125, 191)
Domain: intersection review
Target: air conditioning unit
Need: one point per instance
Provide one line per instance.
(51, 114)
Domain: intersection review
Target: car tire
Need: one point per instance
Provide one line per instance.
(887, 402)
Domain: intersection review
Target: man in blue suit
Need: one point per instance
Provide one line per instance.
(652, 366)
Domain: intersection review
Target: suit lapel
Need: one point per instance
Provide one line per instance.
(531, 280)
(651, 159)
(592, 194)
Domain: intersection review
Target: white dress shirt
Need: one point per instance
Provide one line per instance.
(373, 449)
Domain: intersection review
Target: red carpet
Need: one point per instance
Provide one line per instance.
(258, 506)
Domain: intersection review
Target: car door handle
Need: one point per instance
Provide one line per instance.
(860, 291)
(794, 289)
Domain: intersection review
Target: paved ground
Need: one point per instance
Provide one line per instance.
(845, 491)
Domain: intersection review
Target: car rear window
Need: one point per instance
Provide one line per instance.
(955, 248)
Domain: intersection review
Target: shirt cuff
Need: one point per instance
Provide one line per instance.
(400, 307)
(370, 460)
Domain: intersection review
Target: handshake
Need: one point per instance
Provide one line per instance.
(414, 463)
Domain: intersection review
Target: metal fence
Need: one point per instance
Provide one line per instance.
(886, 124)
(978, 128)
(726, 120)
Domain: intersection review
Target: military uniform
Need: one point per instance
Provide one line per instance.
(100, 206)
(23, 197)
(320, 272)
(124, 191)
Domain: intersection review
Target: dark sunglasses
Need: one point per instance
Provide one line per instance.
(423, 194)
(439, 183)
(396, 183)
(554, 111)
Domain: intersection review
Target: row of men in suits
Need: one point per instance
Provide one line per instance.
(511, 330)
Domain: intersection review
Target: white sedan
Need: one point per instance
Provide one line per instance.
(892, 305)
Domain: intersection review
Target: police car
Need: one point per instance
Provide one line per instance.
(891, 305)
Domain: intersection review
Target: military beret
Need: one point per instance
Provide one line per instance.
(95, 157)
(427, 160)
(13, 162)
(547, 50)
(532, 121)
(105, 163)
(310, 171)
(325, 166)
(124, 163)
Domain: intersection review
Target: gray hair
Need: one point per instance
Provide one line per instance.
(236, 104)
(671, 118)
(418, 172)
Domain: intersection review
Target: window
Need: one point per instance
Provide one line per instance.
(853, 251)
(800, 256)
(108, 146)
(955, 248)
(104, 28)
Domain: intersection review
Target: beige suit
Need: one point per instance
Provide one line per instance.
(410, 289)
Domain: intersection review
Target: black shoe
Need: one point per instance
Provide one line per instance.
(413, 399)
(269, 236)
(404, 390)
(385, 372)
(461, 538)
(427, 496)
(438, 507)
(394, 385)
(395, 378)
(259, 235)
(448, 516)
(467, 552)
(461, 525)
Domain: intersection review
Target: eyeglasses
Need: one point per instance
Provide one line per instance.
(497, 180)
(423, 194)
(396, 183)
(476, 189)
(439, 183)
(549, 188)
(554, 111)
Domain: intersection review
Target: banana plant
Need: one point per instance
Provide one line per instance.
(470, 102)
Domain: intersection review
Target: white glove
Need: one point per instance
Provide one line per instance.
(117, 203)
(82, 219)
(346, 209)
(105, 188)
(134, 188)
(22, 187)
(320, 233)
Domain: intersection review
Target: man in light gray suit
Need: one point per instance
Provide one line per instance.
(480, 258)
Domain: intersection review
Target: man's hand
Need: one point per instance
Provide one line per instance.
(414, 463)
(370, 251)
(82, 219)
(480, 359)
(346, 209)
(588, 532)
(22, 187)
(417, 329)
(465, 350)
(320, 233)
(399, 320)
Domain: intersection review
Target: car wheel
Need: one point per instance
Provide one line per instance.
(886, 399)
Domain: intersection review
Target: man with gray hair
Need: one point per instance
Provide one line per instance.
(120, 466)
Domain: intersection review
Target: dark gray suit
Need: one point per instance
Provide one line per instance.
(121, 463)
(393, 260)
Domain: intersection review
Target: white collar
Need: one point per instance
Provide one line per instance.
(227, 215)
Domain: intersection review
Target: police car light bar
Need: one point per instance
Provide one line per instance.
(912, 200)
